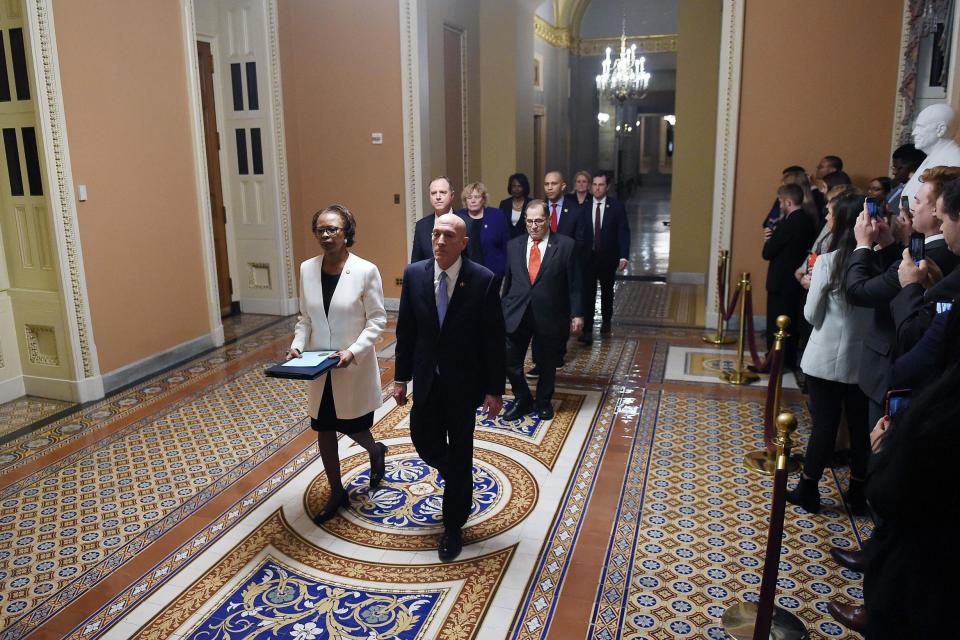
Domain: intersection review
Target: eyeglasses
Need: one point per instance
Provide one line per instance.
(536, 221)
(328, 231)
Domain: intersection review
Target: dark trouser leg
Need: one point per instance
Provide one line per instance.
(427, 428)
(517, 343)
(458, 489)
(874, 413)
(549, 352)
(606, 274)
(589, 292)
(826, 400)
(855, 404)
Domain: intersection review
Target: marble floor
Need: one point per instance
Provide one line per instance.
(180, 507)
(648, 211)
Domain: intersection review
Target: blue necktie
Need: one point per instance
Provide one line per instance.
(442, 299)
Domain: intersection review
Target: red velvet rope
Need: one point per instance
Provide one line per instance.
(752, 338)
(771, 564)
(769, 427)
(726, 314)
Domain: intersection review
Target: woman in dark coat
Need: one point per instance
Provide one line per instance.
(515, 206)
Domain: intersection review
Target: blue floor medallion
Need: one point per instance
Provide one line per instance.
(406, 511)
(276, 601)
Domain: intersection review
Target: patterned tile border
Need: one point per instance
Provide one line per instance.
(480, 578)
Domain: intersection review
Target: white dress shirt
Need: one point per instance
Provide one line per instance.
(593, 213)
(542, 246)
(453, 272)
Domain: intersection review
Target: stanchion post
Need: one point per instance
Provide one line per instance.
(763, 620)
(723, 271)
(765, 462)
(741, 375)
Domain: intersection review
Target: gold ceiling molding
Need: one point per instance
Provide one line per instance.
(554, 36)
(666, 43)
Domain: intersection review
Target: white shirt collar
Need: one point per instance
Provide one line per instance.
(543, 241)
(602, 203)
(929, 239)
(452, 272)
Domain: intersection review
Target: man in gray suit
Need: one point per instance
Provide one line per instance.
(542, 302)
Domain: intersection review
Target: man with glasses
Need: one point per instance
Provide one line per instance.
(542, 302)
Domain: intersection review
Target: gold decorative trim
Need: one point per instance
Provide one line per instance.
(409, 77)
(259, 275)
(666, 43)
(40, 340)
(52, 122)
(559, 37)
(900, 103)
(283, 187)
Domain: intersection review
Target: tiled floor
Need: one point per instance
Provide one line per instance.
(180, 507)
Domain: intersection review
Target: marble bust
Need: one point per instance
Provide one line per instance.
(933, 134)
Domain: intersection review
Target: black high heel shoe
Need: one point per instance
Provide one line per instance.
(376, 473)
(331, 508)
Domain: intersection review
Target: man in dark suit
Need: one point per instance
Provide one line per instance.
(608, 240)
(441, 199)
(450, 342)
(541, 303)
(563, 210)
(785, 246)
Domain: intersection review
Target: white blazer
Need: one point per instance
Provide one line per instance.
(833, 350)
(356, 320)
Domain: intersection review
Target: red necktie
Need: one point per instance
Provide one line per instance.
(534, 267)
(596, 230)
(553, 218)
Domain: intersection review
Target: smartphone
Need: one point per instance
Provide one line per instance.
(944, 306)
(905, 204)
(916, 247)
(896, 401)
(873, 208)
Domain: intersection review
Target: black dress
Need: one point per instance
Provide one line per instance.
(327, 419)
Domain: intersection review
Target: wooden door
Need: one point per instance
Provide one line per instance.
(217, 208)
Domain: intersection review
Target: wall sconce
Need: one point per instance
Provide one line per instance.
(603, 118)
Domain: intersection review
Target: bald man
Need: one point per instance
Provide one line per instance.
(450, 343)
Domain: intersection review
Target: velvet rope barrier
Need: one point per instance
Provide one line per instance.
(773, 400)
(724, 313)
(758, 364)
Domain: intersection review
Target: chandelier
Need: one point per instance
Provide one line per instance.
(626, 76)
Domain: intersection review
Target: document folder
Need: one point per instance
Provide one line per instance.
(309, 366)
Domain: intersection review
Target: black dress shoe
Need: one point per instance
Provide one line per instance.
(853, 560)
(330, 509)
(517, 411)
(605, 328)
(534, 372)
(545, 412)
(586, 338)
(377, 471)
(451, 544)
(850, 616)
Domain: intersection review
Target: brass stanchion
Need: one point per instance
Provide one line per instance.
(765, 461)
(764, 620)
(723, 275)
(741, 375)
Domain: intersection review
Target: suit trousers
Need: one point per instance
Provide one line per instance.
(546, 353)
(828, 399)
(790, 304)
(441, 427)
(602, 271)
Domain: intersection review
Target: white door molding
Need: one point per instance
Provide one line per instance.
(87, 384)
(725, 164)
(201, 177)
(410, 83)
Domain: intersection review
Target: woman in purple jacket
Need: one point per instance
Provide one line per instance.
(486, 229)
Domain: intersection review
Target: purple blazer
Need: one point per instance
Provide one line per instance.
(493, 238)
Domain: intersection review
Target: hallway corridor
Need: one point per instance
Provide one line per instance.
(181, 507)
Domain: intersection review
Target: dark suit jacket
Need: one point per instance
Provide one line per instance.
(787, 249)
(572, 223)
(913, 308)
(423, 238)
(468, 349)
(555, 295)
(493, 238)
(519, 229)
(614, 231)
(871, 281)
(925, 360)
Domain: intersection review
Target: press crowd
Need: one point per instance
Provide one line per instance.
(870, 281)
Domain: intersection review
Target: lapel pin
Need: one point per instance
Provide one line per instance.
(463, 284)
(348, 270)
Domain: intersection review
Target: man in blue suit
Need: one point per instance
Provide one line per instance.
(450, 342)
(608, 236)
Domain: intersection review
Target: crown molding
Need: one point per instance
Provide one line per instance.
(554, 36)
(563, 38)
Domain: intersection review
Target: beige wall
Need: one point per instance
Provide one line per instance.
(693, 162)
(334, 97)
(819, 77)
(123, 72)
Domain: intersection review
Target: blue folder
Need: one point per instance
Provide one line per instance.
(302, 373)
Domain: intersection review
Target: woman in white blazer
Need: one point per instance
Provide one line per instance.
(831, 361)
(341, 309)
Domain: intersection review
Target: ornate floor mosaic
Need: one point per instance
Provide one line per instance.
(181, 507)
(22, 412)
